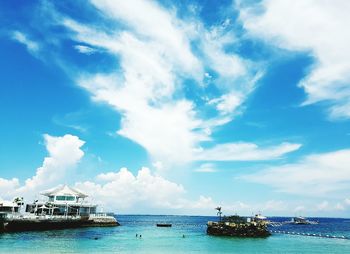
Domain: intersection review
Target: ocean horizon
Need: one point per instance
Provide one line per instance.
(139, 234)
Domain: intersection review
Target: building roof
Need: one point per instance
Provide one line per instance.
(7, 203)
(64, 190)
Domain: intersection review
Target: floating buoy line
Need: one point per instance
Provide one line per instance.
(310, 234)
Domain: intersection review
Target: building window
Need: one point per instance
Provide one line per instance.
(65, 198)
(70, 198)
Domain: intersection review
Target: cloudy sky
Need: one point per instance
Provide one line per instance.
(174, 107)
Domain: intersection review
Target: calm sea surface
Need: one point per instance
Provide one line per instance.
(170, 240)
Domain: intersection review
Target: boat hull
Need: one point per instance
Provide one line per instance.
(164, 225)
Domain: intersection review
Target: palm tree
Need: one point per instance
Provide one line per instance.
(219, 212)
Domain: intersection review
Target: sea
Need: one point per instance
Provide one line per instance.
(139, 234)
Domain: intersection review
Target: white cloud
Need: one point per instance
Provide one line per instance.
(324, 205)
(314, 175)
(272, 207)
(22, 38)
(245, 152)
(300, 209)
(154, 48)
(115, 191)
(160, 27)
(206, 168)
(339, 207)
(7, 187)
(122, 189)
(347, 201)
(64, 154)
(275, 206)
(85, 49)
(318, 27)
(207, 75)
(169, 133)
(158, 165)
(203, 202)
(266, 207)
(227, 103)
(158, 54)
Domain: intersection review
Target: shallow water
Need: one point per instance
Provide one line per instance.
(170, 240)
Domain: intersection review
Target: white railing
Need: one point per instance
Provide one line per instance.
(18, 216)
(101, 215)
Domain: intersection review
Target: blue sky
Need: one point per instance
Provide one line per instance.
(163, 107)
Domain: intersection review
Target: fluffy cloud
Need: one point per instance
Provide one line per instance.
(245, 152)
(206, 203)
(160, 57)
(164, 34)
(227, 103)
(156, 58)
(115, 191)
(64, 153)
(314, 175)
(7, 187)
(121, 190)
(317, 27)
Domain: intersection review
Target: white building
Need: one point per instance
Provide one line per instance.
(63, 200)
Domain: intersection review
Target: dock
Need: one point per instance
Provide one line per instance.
(19, 223)
(65, 207)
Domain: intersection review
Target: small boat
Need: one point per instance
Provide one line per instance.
(164, 225)
(299, 220)
(259, 217)
(302, 221)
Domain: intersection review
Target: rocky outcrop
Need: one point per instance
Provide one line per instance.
(243, 229)
(106, 221)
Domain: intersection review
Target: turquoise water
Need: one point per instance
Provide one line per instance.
(170, 240)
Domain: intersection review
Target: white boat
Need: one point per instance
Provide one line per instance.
(299, 220)
(259, 217)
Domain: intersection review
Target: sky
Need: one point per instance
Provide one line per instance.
(176, 107)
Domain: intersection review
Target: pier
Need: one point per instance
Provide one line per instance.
(65, 208)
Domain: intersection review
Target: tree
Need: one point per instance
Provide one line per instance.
(219, 212)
